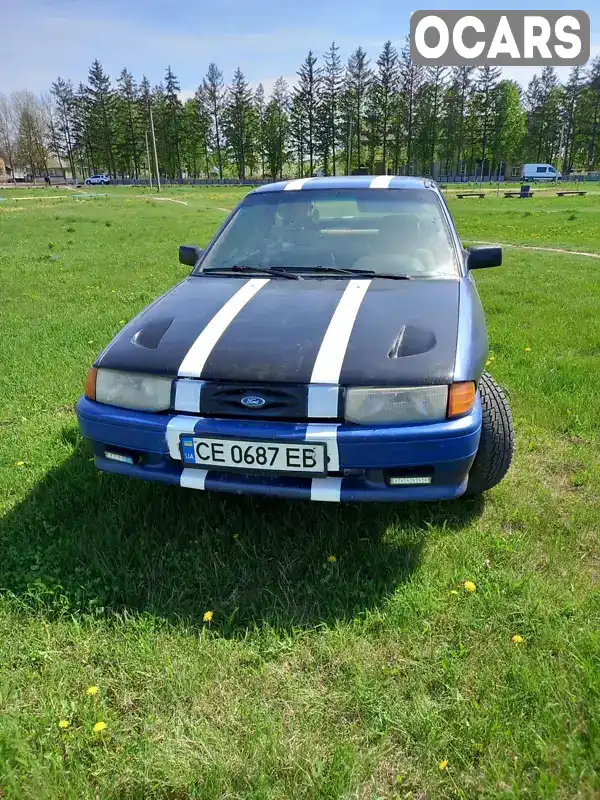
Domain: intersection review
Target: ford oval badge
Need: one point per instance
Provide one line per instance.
(252, 401)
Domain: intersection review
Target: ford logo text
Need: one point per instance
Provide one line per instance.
(252, 401)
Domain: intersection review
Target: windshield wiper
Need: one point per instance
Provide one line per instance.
(368, 273)
(279, 273)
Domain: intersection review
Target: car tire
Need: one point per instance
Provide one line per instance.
(496, 444)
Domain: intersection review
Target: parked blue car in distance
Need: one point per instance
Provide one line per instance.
(328, 344)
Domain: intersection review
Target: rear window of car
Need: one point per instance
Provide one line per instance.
(396, 231)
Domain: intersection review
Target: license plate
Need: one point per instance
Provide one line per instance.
(252, 455)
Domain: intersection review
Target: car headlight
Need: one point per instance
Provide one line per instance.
(135, 390)
(369, 405)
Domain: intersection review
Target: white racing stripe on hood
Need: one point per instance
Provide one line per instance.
(330, 358)
(197, 356)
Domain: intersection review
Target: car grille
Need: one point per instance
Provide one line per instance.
(280, 402)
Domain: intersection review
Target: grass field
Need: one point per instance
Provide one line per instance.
(357, 676)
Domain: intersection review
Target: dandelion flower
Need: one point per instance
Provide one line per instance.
(528, 349)
(443, 765)
(91, 690)
(63, 724)
(516, 639)
(99, 727)
(208, 615)
(20, 464)
(469, 586)
(332, 559)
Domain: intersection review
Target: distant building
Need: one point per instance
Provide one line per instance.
(5, 170)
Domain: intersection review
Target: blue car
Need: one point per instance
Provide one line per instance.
(328, 344)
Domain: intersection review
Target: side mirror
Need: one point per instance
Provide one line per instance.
(485, 256)
(189, 254)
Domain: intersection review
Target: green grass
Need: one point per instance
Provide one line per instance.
(351, 679)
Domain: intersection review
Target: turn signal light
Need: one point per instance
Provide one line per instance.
(90, 384)
(461, 398)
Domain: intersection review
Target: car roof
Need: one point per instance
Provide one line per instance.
(349, 182)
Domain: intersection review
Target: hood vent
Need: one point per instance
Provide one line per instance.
(151, 334)
(412, 341)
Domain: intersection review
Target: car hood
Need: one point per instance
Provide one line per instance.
(403, 332)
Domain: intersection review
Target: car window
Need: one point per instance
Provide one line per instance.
(396, 231)
(541, 169)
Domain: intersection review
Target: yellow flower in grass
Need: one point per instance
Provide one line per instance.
(528, 349)
(99, 727)
(452, 591)
(516, 639)
(92, 690)
(332, 559)
(469, 586)
(64, 724)
(208, 615)
(443, 765)
(20, 464)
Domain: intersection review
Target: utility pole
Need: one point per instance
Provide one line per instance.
(148, 158)
(154, 146)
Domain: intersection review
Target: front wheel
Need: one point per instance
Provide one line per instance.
(497, 440)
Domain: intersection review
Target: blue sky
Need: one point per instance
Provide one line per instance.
(46, 38)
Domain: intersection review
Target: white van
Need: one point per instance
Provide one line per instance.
(540, 172)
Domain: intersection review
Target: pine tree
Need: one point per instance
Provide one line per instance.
(572, 110)
(464, 86)
(507, 124)
(64, 100)
(173, 109)
(358, 82)
(128, 153)
(238, 121)
(277, 126)
(307, 95)
(298, 128)
(83, 148)
(487, 80)
(101, 112)
(214, 97)
(592, 99)
(331, 87)
(385, 89)
(411, 82)
(203, 125)
(259, 121)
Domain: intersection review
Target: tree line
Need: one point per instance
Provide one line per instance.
(389, 116)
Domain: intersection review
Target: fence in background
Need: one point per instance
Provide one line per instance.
(445, 179)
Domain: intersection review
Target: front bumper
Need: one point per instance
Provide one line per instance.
(445, 448)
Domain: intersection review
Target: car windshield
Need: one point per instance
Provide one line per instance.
(389, 231)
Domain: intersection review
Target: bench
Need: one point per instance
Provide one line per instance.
(470, 194)
(562, 194)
